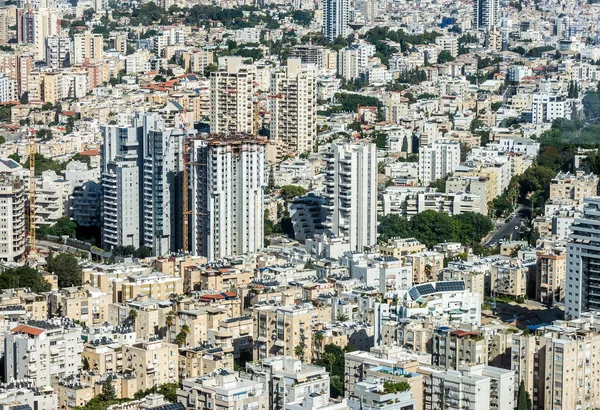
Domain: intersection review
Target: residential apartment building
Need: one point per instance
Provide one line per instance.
(351, 193)
(551, 275)
(223, 390)
(452, 348)
(583, 262)
(411, 204)
(509, 277)
(227, 190)
(336, 19)
(401, 247)
(486, 14)
(40, 350)
(57, 51)
(152, 362)
(548, 107)
(371, 394)
(308, 216)
(576, 187)
(232, 108)
(437, 160)
(12, 215)
(156, 286)
(278, 330)
(293, 107)
(87, 48)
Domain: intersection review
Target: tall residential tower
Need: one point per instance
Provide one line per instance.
(335, 19)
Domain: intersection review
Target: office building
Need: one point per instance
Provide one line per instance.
(232, 108)
(336, 19)
(583, 262)
(293, 108)
(351, 193)
(227, 184)
(486, 14)
(437, 160)
(57, 51)
(87, 48)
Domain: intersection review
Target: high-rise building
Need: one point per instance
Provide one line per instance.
(486, 14)
(87, 48)
(57, 51)
(583, 262)
(227, 181)
(12, 209)
(293, 107)
(141, 183)
(351, 193)
(121, 189)
(437, 160)
(232, 99)
(335, 19)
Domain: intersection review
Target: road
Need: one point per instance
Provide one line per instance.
(506, 229)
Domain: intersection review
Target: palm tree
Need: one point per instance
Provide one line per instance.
(169, 321)
(342, 317)
(428, 272)
(319, 342)
(132, 314)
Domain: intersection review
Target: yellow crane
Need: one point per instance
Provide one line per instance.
(32, 215)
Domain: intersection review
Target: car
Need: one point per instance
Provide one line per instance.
(516, 228)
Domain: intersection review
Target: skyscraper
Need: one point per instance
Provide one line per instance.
(486, 14)
(351, 193)
(232, 99)
(293, 107)
(227, 180)
(87, 48)
(335, 19)
(582, 293)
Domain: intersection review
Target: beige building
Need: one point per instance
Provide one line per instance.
(84, 304)
(195, 61)
(201, 360)
(280, 330)
(551, 275)
(576, 187)
(155, 285)
(426, 266)
(87, 48)
(154, 362)
(455, 347)
(216, 278)
(509, 277)
(103, 358)
(400, 247)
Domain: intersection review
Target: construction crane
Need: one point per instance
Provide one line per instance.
(32, 215)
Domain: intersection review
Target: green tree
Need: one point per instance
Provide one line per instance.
(63, 226)
(298, 351)
(2, 139)
(24, 277)
(392, 225)
(342, 317)
(15, 157)
(523, 403)
(445, 57)
(500, 206)
(132, 314)
(67, 268)
(108, 390)
(380, 139)
(85, 364)
(291, 191)
(82, 158)
(333, 360)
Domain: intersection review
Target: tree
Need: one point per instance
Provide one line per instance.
(67, 268)
(319, 341)
(2, 139)
(342, 317)
(142, 252)
(333, 360)
(404, 147)
(445, 57)
(85, 364)
(63, 227)
(132, 314)
(292, 191)
(392, 225)
(24, 277)
(465, 149)
(523, 403)
(380, 139)
(271, 183)
(210, 68)
(108, 390)
(298, 351)
(15, 157)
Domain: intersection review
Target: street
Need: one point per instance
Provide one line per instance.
(506, 229)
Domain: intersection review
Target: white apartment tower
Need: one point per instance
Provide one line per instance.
(437, 160)
(121, 190)
(293, 107)
(57, 51)
(582, 292)
(351, 193)
(486, 14)
(12, 215)
(227, 184)
(232, 99)
(335, 19)
(87, 48)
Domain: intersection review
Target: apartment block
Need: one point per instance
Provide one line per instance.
(12, 221)
(57, 51)
(575, 187)
(227, 196)
(351, 193)
(509, 277)
(437, 160)
(232, 108)
(293, 107)
(401, 247)
(87, 48)
(156, 286)
(426, 266)
(154, 362)
(40, 350)
(551, 275)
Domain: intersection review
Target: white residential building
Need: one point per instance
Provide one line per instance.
(12, 219)
(351, 193)
(548, 107)
(348, 63)
(293, 107)
(437, 160)
(40, 350)
(227, 196)
(57, 51)
(486, 14)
